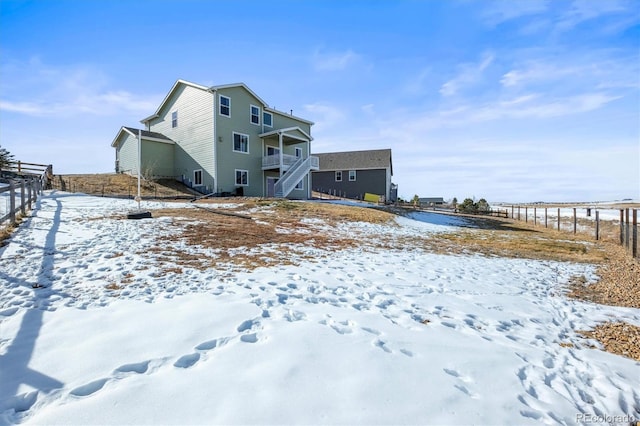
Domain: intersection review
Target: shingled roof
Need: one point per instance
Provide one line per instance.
(146, 133)
(356, 160)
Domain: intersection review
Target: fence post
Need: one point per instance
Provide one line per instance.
(22, 200)
(535, 216)
(627, 230)
(29, 194)
(526, 214)
(575, 221)
(634, 245)
(12, 202)
(518, 212)
(558, 218)
(545, 217)
(597, 225)
(621, 227)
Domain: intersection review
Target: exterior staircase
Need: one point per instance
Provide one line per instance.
(295, 174)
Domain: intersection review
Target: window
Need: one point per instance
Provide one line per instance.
(254, 113)
(272, 150)
(197, 177)
(240, 142)
(225, 106)
(267, 119)
(352, 175)
(298, 152)
(242, 177)
(174, 119)
(300, 185)
(338, 176)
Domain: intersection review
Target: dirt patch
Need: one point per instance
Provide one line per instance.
(619, 283)
(617, 337)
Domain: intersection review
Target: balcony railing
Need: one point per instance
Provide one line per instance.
(273, 161)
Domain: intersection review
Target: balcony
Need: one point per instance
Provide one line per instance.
(270, 162)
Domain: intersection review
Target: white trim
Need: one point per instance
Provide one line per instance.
(336, 175)
(166, 98)
(263, 120)
(286, 114)
(233, 142)
(288, 129)
(235, 177)
(244, 86)
(354, 175)
(251, 106)
(220, 96)
(201, 177)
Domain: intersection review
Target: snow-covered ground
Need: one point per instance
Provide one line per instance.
(354, 336)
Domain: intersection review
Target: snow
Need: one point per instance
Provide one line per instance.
(344, 337)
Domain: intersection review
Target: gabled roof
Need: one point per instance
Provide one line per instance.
(288, 131)
(231, 86)
(153, 136)
(356, 160)
(175, 86)
(214, 89)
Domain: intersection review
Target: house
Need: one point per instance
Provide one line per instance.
(431, 201)
(221, 140)
(355, 173)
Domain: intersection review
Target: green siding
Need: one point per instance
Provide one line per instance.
(230, 160)
(157, 159)
(128, 154)
(194, 134)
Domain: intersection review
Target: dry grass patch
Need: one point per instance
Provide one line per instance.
(118, 184)
(281, 226)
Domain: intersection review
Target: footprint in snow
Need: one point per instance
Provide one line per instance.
(138, 367)
(89, 388)
(186, 361)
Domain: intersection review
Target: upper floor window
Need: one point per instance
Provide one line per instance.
(267, 119)
(225, 106)
(352, 175)
(338, 176)
(240, 142)
(174, 119)
(254, 112)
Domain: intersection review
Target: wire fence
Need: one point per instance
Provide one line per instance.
(619, 225)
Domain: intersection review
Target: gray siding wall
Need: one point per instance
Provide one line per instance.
(194, 135)
(127, 154)
(371, 181)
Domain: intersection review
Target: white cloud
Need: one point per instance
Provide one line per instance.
(585, 10)
(333, 61)
(505, 10)
(468, 75)
(51, 91)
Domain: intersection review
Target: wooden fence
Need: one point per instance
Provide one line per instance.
(628, 223)
(20, 169)
(21, 194)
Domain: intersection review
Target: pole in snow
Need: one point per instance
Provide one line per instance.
(139, 214)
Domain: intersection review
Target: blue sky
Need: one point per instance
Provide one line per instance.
(504, 100)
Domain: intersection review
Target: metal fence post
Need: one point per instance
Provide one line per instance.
(621, 227)
(575, 221)
(634, 245)
(597, 225)
(627, 230)
(558, 218)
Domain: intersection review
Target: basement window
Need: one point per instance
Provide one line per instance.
(197, 177)
(242, 177)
